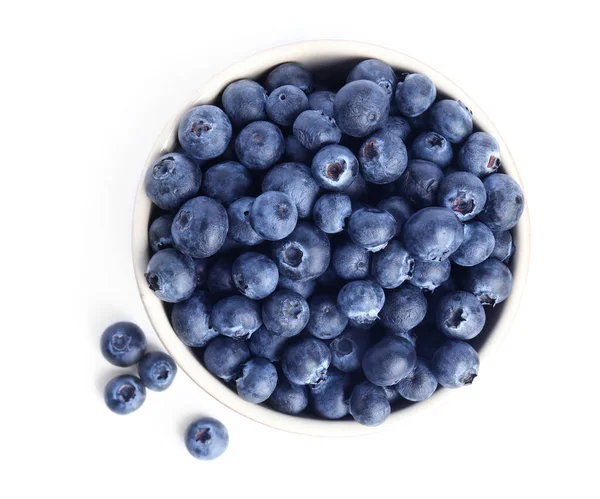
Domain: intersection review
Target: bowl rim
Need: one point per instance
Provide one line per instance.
(251, 67)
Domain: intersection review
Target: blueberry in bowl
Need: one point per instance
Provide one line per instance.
(329, 236)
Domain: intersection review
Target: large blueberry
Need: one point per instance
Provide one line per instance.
(361, 301)
(334, 167)
(206, 439)
(404, 309)
(382, 157)
(288, 397)
(351, 261)
(399, 208)
(392, 265)
(429, 275)
(329, 399)
(171, 275)
(322, 100)
(263, 343)
(285, 313)
(258, 380)
(361, 107)
(285, 104)
(244, 102)
(273, 215)
(191, 320)
(505, 202)
(460, 315)
(315, 129)
(159, 234)
(455, 364)
(490, 281)
(289, 73)
(419, 384)
(326, 320)
(236, 317)
(124, 394)
(304, 254)
(123, 344)
(480, 155)
(200, 227)
(295, 180)
(171, 180)
(476, 247)
(414, 94)
(420, 182)
(348, 349)
(306, 361)
(369, 405)
(431, 146)
(331, 211)
(451, 119)
(224, 357)
(259, 145)
(376, 71)
(463, 193)
(204, 132)
(433, 234)
(226, 182)
(371, 228)
(157, 371)
(255, 275)
(389, 360)
(240, 228)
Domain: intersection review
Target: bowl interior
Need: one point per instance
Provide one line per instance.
(331, 61)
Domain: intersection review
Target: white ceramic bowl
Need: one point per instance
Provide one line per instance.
(323, 54)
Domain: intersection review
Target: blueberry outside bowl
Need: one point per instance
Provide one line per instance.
(331, 56)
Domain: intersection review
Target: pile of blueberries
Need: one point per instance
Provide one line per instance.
(123, 344)
(332, 252)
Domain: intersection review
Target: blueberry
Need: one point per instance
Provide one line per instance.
(171, 275)
(295, 180)
(371, 229)
(329, 399)
(326, 320)
(382, 157)
(159, 234)
(295, 151)
(263, 343)
(490, 281)
(431, 146)
(369, 405)
(432, 234)
(376, 71)
(455, 364)
(504, 247)
(200, 227)
(224, 357)
(350, 261)
(219, 280)
(124, 394)
(451, 119)
(171, 180)
(420, 182)
(480, 155)
(259, 145)
(206, 439)
(404, 309)
(505, 202)
(399, 208)
(255, 275)
(357, 189)
(322, 100)
(258, 380)
(303, 288)
(288, 398)
(157, 371)
(397, 126)
(226, 182)
(463, 193)
(315, 129)
(285, 104)
(476, 247)
(414, 94)
(191, 320)
(460, 315)
(361, 301)
(389, 360)
(361, 107)
(289, 73)
(331, 211)
(273, 215)
(204, 132)
(123, 344)
(419, 384)
(348, 349)
(334, 168)
(240, 228)
(285, 313)
(236, 317)
(306, 361)
(244, 102)
(429, 275)
(304, 254)
(392, 266)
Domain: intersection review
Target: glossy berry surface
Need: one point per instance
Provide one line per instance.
(490, 281)
(285, 103)
(204, 132)
(351, 262)
(389, 360)
(285, 313)
(452, 120)
(171, 275)
(463, 193)
(361, 107)
(455, 364)
(191, 320)
(476, 247)
(415, 94)
(431, 146)
(334, 168)
(404, 309)
(376, 71)
(306, 361)
(326, 320)
(259, 145)
(392, 266)
(295, 180)
(157, 371)
(123, 344)
(382, 157)
(460, 315)
(316, 129)
(226, 182)
(124, 394)
(331, 212)
(257, 381)
(361, 301)
(480, 155)
(419, 384)
(244, 101)
(371, 228)
(348, 349)
(369, 405)
(225, 356)
(254, 275)
(420, 182)
(159, 234)
(171, 180)
(236, 316)
(206, 438)
(273, 215)
(505, 202)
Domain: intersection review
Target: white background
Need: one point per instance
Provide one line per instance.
(87, 87)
